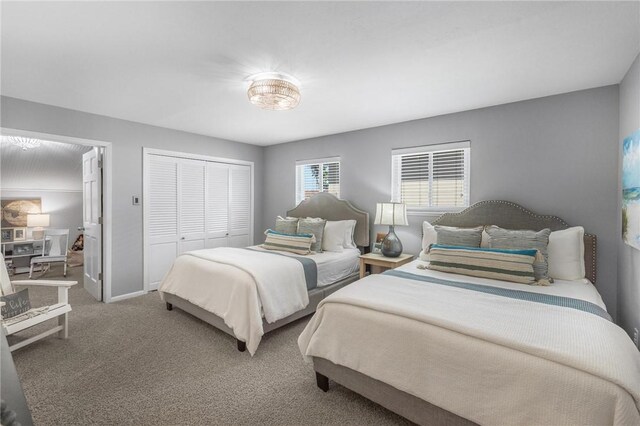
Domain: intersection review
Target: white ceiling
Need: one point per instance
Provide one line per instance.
(181, 65)
(51, 166)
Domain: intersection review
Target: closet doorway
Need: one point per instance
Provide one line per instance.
(192, 202)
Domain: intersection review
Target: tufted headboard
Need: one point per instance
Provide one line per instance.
(330, 207)
(508, 215)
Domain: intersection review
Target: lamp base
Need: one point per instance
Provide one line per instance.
(38, 234)
(391, 245)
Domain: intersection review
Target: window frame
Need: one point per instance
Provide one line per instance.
(430, 150)
(320, 162)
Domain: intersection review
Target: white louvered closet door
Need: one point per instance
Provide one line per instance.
(190, 205)
(191, 199)
(239, 205)
(217, 205)
(162, 223)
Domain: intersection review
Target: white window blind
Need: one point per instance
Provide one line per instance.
(313, 176)
(434, 177)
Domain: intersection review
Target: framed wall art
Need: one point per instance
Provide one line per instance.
(19, 234)
(7, 235)
(631, 190)
(14, 211)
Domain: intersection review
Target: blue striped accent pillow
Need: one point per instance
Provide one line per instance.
(294, 243)
(498, 264)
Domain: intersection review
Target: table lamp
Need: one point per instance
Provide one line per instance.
(37, 221)
(391, 214)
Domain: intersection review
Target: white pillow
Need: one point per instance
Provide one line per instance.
(429, 235)
(348, 235)
(566, 254)
(333, 237)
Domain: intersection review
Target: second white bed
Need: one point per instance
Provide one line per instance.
(232, 293)
(482, 356)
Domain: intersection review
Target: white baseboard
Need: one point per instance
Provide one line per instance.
(127, 296)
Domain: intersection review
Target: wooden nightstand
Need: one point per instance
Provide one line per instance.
(380, 263)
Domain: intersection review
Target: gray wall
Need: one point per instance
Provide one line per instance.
(127, 138)
(64, 207)
(553, 155)
(628, 257)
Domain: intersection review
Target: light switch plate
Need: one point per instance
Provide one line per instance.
(135, 200)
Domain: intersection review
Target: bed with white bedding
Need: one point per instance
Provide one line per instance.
(248, 292)
(443, 348)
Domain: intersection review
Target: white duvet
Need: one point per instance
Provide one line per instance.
(240, 285)
(488, 358)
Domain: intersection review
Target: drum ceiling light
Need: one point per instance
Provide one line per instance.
(273, 91)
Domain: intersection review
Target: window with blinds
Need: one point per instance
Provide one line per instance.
(434, 177)
(313, 176)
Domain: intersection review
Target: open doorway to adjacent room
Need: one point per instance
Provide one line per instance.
(51, 194)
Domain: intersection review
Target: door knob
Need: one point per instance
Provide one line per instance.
(80, 228)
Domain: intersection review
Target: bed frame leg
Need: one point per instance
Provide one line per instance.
(322, 381)
(242, 346)
(169, 306)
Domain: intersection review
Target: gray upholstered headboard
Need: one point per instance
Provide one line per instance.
(508, 215)
(330, 207)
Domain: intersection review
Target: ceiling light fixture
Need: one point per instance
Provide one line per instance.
(22, 142)
(273, 91)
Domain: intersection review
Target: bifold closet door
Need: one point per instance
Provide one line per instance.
(191, 204)
(239, 205)
(217, 205)
(162, 219)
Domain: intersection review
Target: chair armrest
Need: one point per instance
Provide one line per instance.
(45, 283)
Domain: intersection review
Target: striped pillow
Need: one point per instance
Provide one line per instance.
(315, 226)
(498, 264)
(294, 243)
(286, 225)
(523, 239)
(453, 236)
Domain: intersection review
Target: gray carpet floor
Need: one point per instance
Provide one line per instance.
(134, 362)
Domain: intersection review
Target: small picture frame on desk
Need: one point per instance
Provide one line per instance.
(377, 246)
(19, 234)
(7, 235)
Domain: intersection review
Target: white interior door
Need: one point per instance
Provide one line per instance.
(91, 221)
(163, 220)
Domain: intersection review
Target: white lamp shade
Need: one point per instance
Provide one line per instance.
(37, 220)
(391, 214)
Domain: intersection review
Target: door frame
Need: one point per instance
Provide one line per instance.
(146, 153)
(107, 194)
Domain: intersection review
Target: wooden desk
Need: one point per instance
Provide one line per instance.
(379, 263)
(19, 262)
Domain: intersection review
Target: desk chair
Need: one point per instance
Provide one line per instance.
(54, 250)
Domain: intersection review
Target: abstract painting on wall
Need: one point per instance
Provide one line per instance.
(631, 190)
(14, 212)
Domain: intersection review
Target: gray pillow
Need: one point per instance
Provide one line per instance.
(313, 226)
(465, 237)
(523, 239)
(287, 225)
